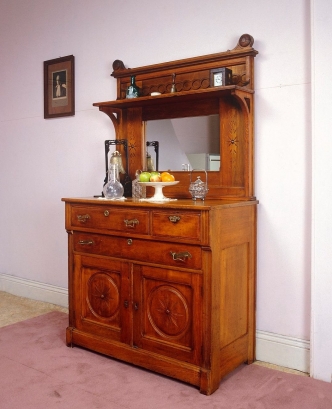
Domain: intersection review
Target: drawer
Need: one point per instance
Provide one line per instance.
(185, 225)
(110, 218)
(170, 254)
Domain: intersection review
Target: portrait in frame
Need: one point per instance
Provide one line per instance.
(59, 87)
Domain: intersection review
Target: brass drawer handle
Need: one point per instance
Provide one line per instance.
(131, 223)
(130, 242)
(182, 256)
(106, 213)
(174, 219)
(82, 218)
(86, 242)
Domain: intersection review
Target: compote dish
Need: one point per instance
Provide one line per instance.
(158, 191)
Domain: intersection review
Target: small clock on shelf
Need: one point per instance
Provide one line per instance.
(220, 77)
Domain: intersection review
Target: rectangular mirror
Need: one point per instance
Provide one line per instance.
(186, 143)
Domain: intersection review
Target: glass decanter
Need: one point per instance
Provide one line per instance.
(113, 188)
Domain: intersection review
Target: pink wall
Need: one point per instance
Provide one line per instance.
(44, 160)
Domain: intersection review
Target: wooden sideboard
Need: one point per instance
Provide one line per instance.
(167, 287)
(171, 286)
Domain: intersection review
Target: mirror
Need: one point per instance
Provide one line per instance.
(186, 143)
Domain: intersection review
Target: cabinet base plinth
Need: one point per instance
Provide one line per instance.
(207, 381)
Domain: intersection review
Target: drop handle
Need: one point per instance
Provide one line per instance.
(131, 223)
(174, 219)
(126, 303)
(86, 242)
(181, 256)
(135, 306)
(83, 218)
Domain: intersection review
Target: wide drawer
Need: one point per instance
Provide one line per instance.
(110, 218)
(185, 225)
(170, 254)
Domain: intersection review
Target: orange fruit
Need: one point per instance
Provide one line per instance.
(167, 177)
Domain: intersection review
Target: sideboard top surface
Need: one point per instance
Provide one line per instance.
(182, 203)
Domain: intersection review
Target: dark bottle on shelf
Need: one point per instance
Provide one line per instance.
(132, 90)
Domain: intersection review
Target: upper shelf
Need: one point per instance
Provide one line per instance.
(151, 104)
(210, 93)
(179, 104)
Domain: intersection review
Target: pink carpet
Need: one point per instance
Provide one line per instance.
(38, 371)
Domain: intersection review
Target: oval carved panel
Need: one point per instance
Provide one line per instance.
(168, 311)
(103, 295)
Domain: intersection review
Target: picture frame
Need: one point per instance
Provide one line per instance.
(59, 87)
(219, 77)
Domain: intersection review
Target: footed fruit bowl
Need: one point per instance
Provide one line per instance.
(158, 191)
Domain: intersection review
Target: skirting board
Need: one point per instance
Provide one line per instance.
(284, 351)
(276, 349)
(34, 290)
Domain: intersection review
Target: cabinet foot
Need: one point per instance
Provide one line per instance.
(69, 337)
(208, 385)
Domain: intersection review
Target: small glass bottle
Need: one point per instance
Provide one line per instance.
(113, 188)
(138, 191)
(132, 90)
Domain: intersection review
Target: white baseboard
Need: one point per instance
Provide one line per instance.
(276, 349)
(34, 290)
(284, 351)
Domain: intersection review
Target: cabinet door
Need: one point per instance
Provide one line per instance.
(102, 297)
(167, 312)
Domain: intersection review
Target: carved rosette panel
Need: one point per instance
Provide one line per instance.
(132, 148)
(168, 311)
(103, 296)
(233, 141)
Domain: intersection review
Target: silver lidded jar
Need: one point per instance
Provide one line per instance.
(198, 189)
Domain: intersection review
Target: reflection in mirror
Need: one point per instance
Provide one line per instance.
(186, 143)
(151, 164)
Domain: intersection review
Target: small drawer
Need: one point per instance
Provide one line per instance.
(110, 218)
(175, 224)
(169, 254)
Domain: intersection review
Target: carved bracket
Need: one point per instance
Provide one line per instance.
(114, 114)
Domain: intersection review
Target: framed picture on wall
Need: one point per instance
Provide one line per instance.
(59, 87)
